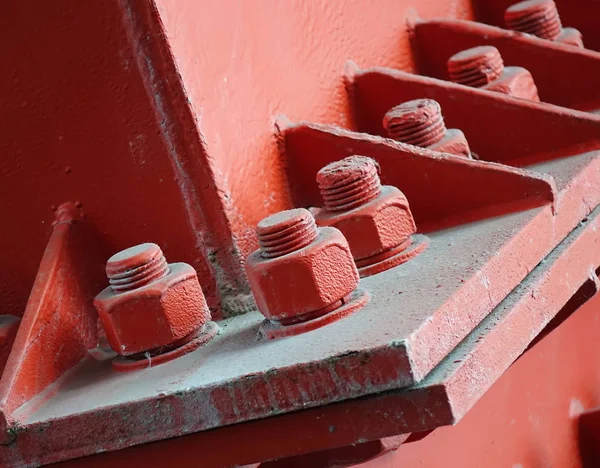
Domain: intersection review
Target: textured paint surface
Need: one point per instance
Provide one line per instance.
(443, 190)
(240, 165)
(78, 126)
(529, 417)
(154, 315)
(580, 14)
(236, 378)
(304, 281)
(246, 65)
(324, 365)
(375, 220)
(550, 63)
(96, 114)
(459, 381)
(537, 132)
(59, 325)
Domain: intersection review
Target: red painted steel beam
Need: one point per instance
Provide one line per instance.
(521, 240)
(350, 455)
(85, 120)
(455, 386)
(539, 141)
(60, 324)
(442, 190)
(580, 14)
(550, 63)
(235, 101)
(293, 384)
(194, 394)
(249, 397)
(367, 363)
(498, 127)
(530, 416)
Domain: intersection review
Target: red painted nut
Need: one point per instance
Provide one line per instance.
(150, 304)
(483, 67)
(300, 272)
(540, 18)
(420, 123)
(376, 220)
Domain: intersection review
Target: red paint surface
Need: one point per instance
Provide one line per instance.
(150, 305)
(483, 67)
(420, 123)
(529, 418)
(340, 457)
(59, 324)
(498, 127)
(541, 19)
(429, 180)
(246, 65)
(216, 172)
(375, 220)
(247, 397)
(517, 82)
(469, 370)
(307, 282)
(580, 14)
(78, 124)
(162, 313)
(551, 64)
(97, 113)
(9, 325)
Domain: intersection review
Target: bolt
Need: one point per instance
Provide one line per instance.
(349, 183)
(285, 232)
(540, 18)
(135, 267)
(420, 123)
(300, 272)
(476, 67)
(375, 219)
(483, 67)
(150, 306)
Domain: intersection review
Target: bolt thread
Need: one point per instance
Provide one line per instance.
(476, 67)
(286, 232)
(136, 267)
(537, 17)
(418, 123)
(349, 183)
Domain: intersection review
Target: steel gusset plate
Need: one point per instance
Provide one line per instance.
(508, 248)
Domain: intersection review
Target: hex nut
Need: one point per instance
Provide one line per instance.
(157, 314)
(290, 287)
(377, 226)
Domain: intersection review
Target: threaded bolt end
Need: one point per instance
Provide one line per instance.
(476, 67)
(418, 123)
(286, 232)
(349, 183)
(537, 17)
(136, 266)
